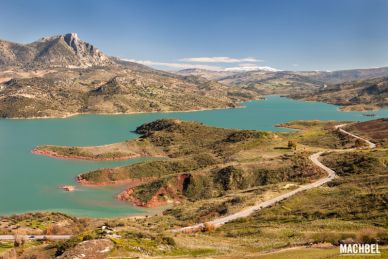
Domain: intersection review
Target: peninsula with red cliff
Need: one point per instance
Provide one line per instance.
(202, 162)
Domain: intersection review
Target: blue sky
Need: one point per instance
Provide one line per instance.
(233, 34)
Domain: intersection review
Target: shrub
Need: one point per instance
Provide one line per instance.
(230, 178)
(208, 227)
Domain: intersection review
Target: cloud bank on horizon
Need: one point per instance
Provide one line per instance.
(243, 64)
(220, 60)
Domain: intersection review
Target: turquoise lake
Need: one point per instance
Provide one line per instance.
(30, 183)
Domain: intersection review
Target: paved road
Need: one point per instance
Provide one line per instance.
(35, 237)
(370, 144)
(249, 210)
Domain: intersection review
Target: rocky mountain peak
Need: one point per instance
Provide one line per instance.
(88, 54)
(72, 40)
(66, 50)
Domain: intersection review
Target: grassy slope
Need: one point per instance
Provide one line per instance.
(352, 207)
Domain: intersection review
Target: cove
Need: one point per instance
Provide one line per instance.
(30, 183)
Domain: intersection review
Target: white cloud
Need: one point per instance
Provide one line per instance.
(220, 60)
(174, 65)
(251, 68)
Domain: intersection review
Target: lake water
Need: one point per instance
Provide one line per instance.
(29, 182)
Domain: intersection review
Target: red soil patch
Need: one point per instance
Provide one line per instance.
(168, 194)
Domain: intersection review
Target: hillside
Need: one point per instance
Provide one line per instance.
(375, 131)
(355, 95)
(261, 81)
(351, 209)
(269, 82)
(208, 74)
(113, 89)
(62, 75)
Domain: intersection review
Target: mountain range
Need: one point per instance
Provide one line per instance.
(63, 75)
(260, 75)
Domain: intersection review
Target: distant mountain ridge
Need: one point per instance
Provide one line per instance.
(324, 77)
(208, 74)
(340, 76)
(355, 89)
(366, 94)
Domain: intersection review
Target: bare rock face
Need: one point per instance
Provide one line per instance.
(87, 53)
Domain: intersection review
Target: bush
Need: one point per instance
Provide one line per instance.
(208, 227)
(198, 187)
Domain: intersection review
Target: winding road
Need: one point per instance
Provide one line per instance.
(249, 210)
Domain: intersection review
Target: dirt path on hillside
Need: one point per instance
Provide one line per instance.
(249, 210)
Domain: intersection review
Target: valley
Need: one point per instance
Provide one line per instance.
(193, 129)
